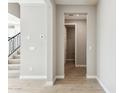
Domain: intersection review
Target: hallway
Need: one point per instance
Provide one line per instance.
(74, 73)
(77, 31)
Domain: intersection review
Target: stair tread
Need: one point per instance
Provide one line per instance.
(13, 71)
(13, 59)
(13, 64)
(13, 74)
(16, 56)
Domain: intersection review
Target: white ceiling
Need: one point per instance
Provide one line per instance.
(75, 16)
(76, 2)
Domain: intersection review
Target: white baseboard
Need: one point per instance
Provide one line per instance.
(69, 59)
(59, 77)
(102, 85)
(49, 83)
(80, 65)
(33, 77)
(91, 77)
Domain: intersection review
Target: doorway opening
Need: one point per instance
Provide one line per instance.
(75, 46)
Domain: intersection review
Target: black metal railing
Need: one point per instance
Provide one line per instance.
(14, 43)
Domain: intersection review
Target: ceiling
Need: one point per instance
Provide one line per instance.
(75, 16)
(76, 2)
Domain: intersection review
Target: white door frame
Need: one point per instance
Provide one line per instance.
(69, 24)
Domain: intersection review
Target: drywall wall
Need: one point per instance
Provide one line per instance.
(13, 25)
(33, 40)
(106, 44)
(51, 43)
(14, 9)
(54, 37)
(70, 43)
(38, 17)
(81, 40)
(91, 37)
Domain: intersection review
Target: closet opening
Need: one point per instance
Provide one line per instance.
(75, 47)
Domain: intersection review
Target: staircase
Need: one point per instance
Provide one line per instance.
(14, 65)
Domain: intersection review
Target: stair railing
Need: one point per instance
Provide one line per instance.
(14, 43)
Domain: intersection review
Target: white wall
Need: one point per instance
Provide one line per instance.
(91, 34)
(51, 43)
(13, 19)
(38, 55)
(13, 25)
(81, 40)
(106, 44)
(54, 38)
(33, 47)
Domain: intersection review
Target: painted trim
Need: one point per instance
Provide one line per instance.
(33, 77)
(32, 1)
(70, 59)
(80, 65)
(91, 77)
(60, 77)
(49, 83)
(70, 24)
(102, 85)
(75, 2)
(76, 19)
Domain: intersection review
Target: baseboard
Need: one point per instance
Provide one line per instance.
(70, 59)
(60, 77)
(102, 85)
(33, 77)
(49, 83)
(80, 65)
(91, 77)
